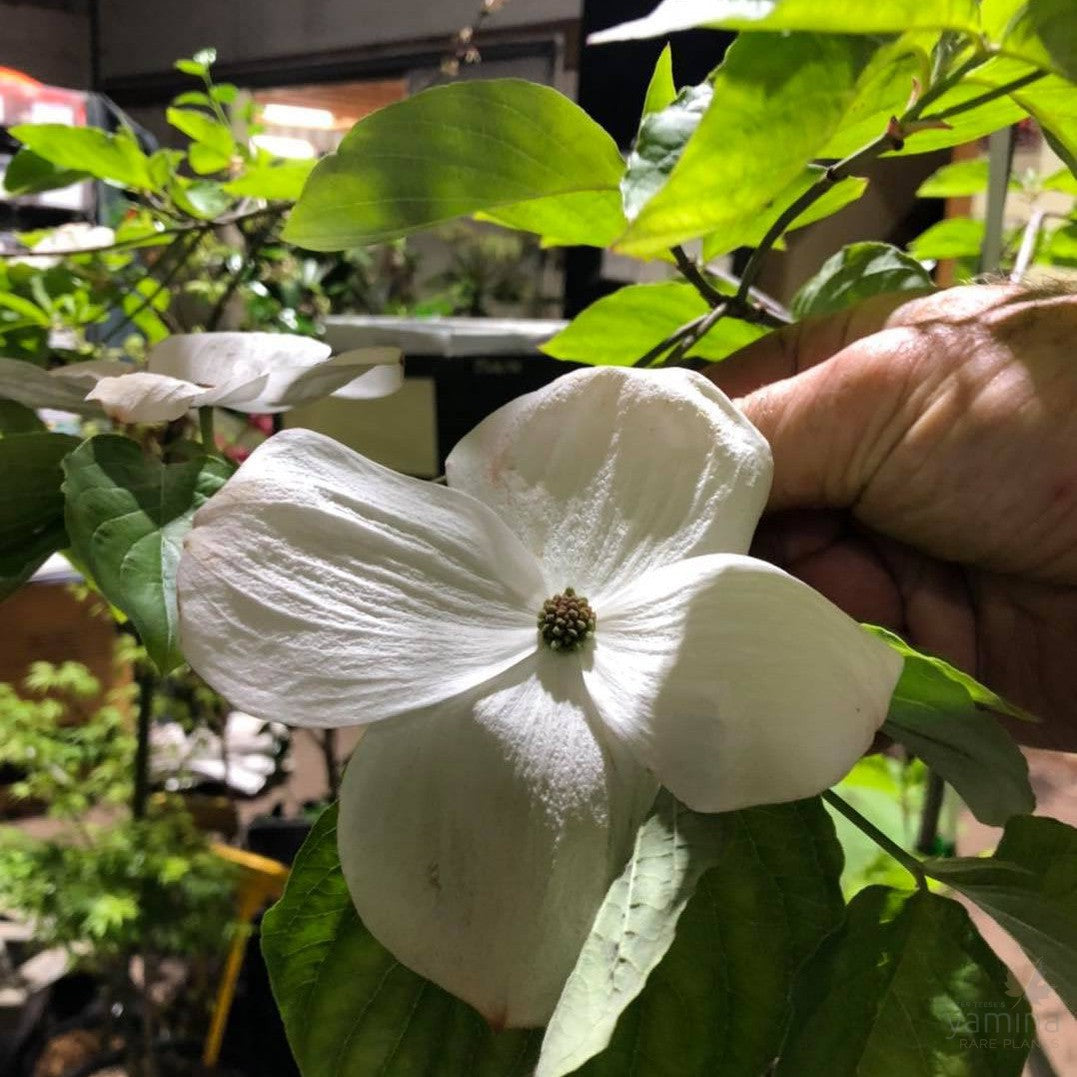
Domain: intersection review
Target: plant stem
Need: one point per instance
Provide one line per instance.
(254, 245)
(989, 96)
(892, 138)
(674, 338)
(905, 859)
(928, 837)
(205, 427)
(692, 273)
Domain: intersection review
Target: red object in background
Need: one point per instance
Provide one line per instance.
(25, 100)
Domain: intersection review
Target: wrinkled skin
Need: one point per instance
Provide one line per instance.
(926, 478)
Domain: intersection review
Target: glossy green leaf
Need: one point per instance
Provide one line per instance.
(906, 987)
(202, 127)
(585, 218)
(945, 717)
(1060, 246)
(1030, 887)
(661, 90)
(957, 179)
(349, 1007)
(26, 309)
(659, 145)
(275, 181)
(127, 515)
(116, 158)
(715, 1004)
(956, 237)
(777, 100)
(447, 152)
(824, 16)
(618, 329)
(28, 173)
(856, 272)
(32, 509)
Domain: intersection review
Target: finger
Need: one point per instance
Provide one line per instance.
(802, 345)
(832, 426)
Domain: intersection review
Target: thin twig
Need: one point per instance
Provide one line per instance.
(144, 241)
(692, 273)
(892, 138)
(988, 97)
(928, 837)
(254, 246)
(184, 248)
(1028, 246)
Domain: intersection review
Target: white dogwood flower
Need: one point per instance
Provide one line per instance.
(533, 648)
(251, 372)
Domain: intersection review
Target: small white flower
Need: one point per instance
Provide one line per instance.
(497, 791)
(251, 372)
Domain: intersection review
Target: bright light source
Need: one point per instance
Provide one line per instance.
(280, 146)
(298, 116)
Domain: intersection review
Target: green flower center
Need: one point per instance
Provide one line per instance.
(566, 621)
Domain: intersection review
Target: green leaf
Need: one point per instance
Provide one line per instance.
(661, 90)
(943, 716)
(1045, 33)
(882, 91)
(16, 418)
(127, 515)
(447, 152)
(659, 145)
(777, 100)
(202, 127)
(1063, 180)
(1052, 103)
(28, 173)
(1030, 887)
(275, 181)
(750, 232)
(32, 509)
(904, 988)
(824, 16)
(956, 237)
(205, 160)
(33, 314)
(587, 218)
(957, 180)
(349, 1007)
(856, 272)
(619, 328)
(201, 198)
(716, 1003)
(1060, 247)
(116, 158)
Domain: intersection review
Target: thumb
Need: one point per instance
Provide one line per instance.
(835, 410)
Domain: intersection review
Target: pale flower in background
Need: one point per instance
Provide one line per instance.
(518, 731)
(76, 236)
(256, 373)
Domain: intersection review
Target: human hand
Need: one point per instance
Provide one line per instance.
(925, 478)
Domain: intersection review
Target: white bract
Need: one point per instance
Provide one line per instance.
(252, 372)
(497, 790)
